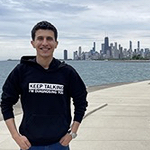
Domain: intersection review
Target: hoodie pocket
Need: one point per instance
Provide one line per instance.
(46, 127)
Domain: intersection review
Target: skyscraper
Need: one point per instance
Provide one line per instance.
(138, 46)
(80, 51)
(130, 45)
(102, 47)
(115, 45)
(65, 54)
(75, 55)
(94, 46)
(106, 44)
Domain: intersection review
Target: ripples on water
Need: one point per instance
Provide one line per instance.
(5, 69)
(105, 72)
(96, 72)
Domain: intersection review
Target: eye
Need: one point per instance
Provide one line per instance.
(40, 38)
(49, 38)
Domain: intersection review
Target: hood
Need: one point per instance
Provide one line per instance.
(31, 60)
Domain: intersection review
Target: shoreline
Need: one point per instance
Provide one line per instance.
(18, 110)
(104, 86)
(114, 60)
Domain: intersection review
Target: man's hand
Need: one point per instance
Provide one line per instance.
(65, 140)
(22, 141)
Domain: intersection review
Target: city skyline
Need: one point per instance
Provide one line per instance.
(77, 23)
(111, 50)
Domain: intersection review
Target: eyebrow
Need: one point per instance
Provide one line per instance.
(48, 37)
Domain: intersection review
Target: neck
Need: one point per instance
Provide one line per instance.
(44, 62)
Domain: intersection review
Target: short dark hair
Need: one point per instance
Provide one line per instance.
(46, 26)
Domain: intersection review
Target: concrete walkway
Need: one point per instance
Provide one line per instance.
(122, 123)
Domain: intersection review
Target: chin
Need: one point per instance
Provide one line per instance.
(46, 55)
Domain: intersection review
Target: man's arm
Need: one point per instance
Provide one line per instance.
(22, 141)
(75, 126)
(78, 93)
(67, 138)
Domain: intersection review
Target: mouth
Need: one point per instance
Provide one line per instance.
(44, 49)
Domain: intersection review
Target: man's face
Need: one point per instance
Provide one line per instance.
(44, 43)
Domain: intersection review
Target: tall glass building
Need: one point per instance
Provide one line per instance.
(65, 54)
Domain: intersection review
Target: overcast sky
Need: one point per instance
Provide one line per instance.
(79, 23)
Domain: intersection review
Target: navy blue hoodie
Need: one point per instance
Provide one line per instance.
(45, 96)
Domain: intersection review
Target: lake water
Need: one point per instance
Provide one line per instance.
(96, 72)
(106, 72)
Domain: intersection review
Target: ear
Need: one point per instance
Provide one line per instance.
(56, 44)
(32, 43)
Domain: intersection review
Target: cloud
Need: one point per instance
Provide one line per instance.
(51, 6)
(39, 7)
(79, 24)
(22, 15)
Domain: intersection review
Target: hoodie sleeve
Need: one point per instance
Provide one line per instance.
(10, 94)
(78, 93)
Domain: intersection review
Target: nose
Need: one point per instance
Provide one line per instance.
(44, 42)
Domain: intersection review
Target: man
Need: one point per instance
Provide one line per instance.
(45, 87)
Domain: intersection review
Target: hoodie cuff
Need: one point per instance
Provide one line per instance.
(8, 116)
(78, 118)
